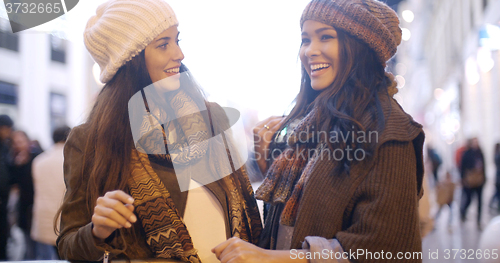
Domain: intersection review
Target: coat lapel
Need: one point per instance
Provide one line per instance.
(326, 195)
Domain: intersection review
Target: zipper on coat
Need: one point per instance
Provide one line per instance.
(106, 257)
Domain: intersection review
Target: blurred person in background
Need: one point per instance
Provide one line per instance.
(445, 192)
(435, 161)
(322, 200)
(123, 197)
(48, 181)
(473, 177)
(21, 173)
(35, 146)
(459, 153)
(6, 124)
(496, 196)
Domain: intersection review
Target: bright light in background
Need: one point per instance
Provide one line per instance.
(438, 93)
(445, 97)
(401, 81)
(429, 118)
(408, 16)
(490, 37)
(238, 59)
(449, 126)
(406, 34)
(399, 99)
(401, 69)
(471, 72)
(96, 72)
(485, 60)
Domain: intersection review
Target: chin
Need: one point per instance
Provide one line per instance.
(318, 87)
(167, 84)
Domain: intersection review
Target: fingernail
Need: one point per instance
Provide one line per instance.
(131, 200)
(128, 225)
(133, 218)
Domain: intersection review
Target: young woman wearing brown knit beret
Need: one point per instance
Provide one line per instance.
(345, 170)
(144, 174)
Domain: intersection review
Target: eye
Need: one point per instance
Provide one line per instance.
(327, 37)
(305, 41)
(164, 46)
(177, 41)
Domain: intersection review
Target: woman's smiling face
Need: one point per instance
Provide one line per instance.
(163, 59)
(319, 53)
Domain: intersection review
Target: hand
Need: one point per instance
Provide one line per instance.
(262, 136)
(236, 250)
(23, 157)
(114, 210)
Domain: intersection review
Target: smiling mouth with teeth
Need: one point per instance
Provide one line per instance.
(172, 70)
(317, 67)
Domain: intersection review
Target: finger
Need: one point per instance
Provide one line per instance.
(266, 121)
(276, 124)
(234, 247)
(219, 248)
(130, 207)
(119, 207)
(229, 257)
(101, 221)
(272, 126)
(229, 253)
(112, 215)
(120, 196)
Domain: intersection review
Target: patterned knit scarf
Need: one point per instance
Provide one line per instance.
(288, 174)
(166, 233)
(191, 134)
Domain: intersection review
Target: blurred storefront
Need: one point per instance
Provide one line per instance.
(448, 72)
(45, 81)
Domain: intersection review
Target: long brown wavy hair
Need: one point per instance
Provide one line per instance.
(354, 93)
(106, 156)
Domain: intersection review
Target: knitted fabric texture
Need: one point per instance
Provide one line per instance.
(370, 21)
(192, 141)
(166, 234)
(121, 29)
(288, 174)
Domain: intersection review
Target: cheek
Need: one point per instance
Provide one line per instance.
(303, 59)
(151, 59)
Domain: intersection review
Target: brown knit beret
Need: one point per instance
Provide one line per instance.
(370, 21)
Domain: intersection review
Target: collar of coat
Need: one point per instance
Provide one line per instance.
(399, 126)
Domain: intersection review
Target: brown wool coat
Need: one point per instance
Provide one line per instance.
(76, 241)
(376, 207)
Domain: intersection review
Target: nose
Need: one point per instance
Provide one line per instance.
(178, 55)
(313, 49)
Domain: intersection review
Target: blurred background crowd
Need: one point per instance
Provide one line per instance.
(447, 69)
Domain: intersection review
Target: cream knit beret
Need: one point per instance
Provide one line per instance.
(121, 29)
(370, 21)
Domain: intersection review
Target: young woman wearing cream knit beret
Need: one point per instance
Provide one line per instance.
(150, 125)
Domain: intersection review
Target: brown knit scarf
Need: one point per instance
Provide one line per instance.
(288, 174)
(166, 233)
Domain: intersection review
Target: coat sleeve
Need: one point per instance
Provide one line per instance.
(76, 241)
(384, 215)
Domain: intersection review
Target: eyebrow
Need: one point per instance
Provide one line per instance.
(167, 38)
(319, 30)
(163, 38)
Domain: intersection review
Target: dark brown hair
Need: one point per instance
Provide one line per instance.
(354, 93)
